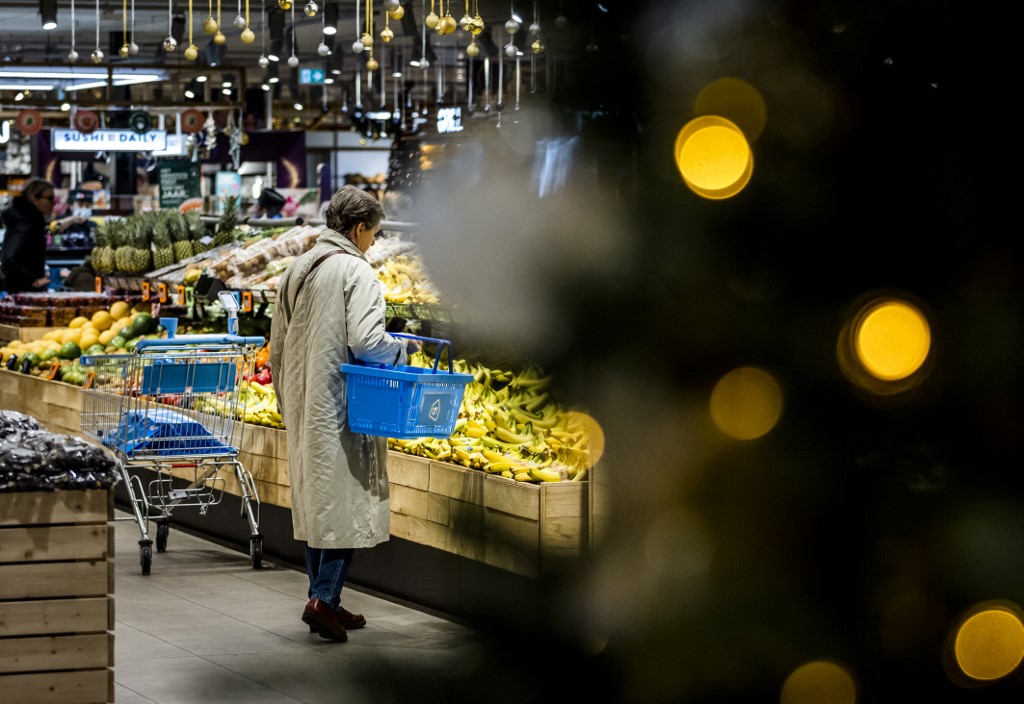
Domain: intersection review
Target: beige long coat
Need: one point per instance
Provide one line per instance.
(338, 478)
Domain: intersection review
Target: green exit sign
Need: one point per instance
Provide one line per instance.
(311, 76)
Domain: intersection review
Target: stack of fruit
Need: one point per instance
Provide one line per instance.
(509, 426)
(112, 331)
(405, 280)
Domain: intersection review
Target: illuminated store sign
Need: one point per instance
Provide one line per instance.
(108, 140)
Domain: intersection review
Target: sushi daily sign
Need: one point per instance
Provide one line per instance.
(108, 140)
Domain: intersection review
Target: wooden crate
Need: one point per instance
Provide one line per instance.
(529, 529)
(56, 597)
(56, 405)
(9, 333)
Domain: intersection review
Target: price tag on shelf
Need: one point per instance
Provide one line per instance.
(145, 291)
(98, 283)
(161, 292)
(181, 294)
(246, 301)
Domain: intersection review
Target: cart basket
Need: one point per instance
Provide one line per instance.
(401, 401)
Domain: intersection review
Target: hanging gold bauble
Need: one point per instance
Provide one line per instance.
(398, 13)
(366, 40)
(537, 47)
(466, 23)
(432, 20)
(210, 26)
(284, 4)
(478, 26)
(447, 25)
(248, 36)
(387, 35)
(372, 65)
(219, 38)
(473, 50)
(192, 53)
(123, 52)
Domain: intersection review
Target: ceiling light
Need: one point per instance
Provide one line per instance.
(200, 79)
(189, 93)
(65, 107)
(298, 106)
(48, 13)
(25, 86)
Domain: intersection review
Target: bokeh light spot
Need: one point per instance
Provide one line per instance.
(737, 101)
(892, 340)
(819, 682)
(990, 644)
(713, 156)
(746, 403)
(679, 544)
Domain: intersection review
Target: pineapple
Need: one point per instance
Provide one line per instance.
(103, 253)
(227, 227)
(200, 236)
(142, 250)
(179, 236)
(163, 251)
(119, 241)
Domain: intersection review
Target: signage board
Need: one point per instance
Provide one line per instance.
(63, 140)
(449, 120)
(311, 76)
(179, 181)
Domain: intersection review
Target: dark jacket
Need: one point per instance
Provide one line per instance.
(23, 256)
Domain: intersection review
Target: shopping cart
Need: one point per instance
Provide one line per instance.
(174, 406)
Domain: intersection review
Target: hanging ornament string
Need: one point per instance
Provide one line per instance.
(293, 60)
(124, 30)
(218, 37)
(247, 36)
(133, 48)
(72, 55)
(170, 43)
(192, 52)
(97, 54)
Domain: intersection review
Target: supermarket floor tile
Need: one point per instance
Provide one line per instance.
(204, 627)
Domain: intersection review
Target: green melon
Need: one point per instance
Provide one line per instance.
(70, 350)
(119, 341)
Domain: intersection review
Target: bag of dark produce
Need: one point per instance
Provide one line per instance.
(12, 421)
(34, 459)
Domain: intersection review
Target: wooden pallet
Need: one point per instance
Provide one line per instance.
(56, 597)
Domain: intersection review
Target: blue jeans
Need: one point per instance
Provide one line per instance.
(327, 568)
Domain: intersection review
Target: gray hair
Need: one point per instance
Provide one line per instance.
(350, 206)
(36, 186)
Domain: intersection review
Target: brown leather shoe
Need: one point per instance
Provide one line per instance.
(321, 618)
(347, 619)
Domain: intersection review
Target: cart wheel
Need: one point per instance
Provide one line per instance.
(256, 552)
(146, 558)
(162, 529)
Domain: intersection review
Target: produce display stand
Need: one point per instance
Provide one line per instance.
(56, 597)
(9, 333)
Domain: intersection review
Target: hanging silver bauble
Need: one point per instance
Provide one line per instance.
(511, 51)
(392, 5)
(561, 21)
(323, 49)
(263, 61)
(239, 22)
(357, 46)
(133, 49)
(97, 56)
(293, 60)
(72, 56)
(424, 64)
(535, 28)
(310, 9)
(466, 23)
(511, 26)
(170, 44)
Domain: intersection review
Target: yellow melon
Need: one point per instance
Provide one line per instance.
(106, 336)
(88, 339)
(78, 321)
(120, 309)
(53, 335)
(102, 320)
(71, 335)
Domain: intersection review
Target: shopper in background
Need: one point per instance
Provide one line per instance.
(23, 256)
(330, 310)
(270, 203)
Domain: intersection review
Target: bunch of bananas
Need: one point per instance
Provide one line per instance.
(508, 426)
(256, 404)
(405, 280)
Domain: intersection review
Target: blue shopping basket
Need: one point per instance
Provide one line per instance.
(401, 401)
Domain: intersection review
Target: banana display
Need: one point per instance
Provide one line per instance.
(405, 280)
(508, 426)
(256, 404)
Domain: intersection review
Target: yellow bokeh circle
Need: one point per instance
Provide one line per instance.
(746, 403)
(819, 682)
(989, 644)
(892, 340)
(713, 157)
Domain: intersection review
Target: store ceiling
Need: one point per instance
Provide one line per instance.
(23, 42)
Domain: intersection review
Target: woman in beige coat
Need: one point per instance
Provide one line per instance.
(330, 310)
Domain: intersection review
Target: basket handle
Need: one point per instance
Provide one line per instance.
(207, 340)
(441, 344)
